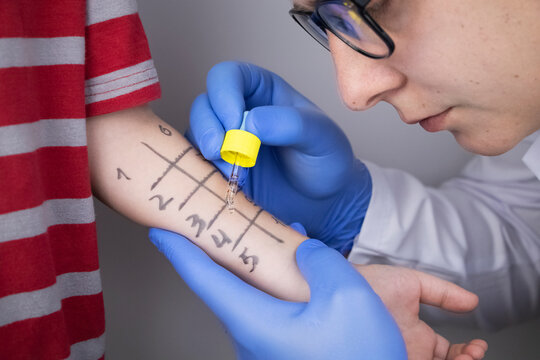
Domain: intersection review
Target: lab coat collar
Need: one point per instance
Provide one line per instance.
(532, 156)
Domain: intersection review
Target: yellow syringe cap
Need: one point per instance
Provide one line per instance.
(240, 147)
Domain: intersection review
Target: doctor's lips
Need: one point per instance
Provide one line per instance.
(432, 123)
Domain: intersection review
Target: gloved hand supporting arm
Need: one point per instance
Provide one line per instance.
(343, 320)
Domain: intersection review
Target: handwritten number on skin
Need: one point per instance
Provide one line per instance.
(197, 221)
(224, 239)
(162, 205)
(121, 173)
(165, 131)
(246, 258)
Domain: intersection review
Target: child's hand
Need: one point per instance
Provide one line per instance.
(402, 290)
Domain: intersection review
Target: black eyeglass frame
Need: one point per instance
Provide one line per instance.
(361, 6)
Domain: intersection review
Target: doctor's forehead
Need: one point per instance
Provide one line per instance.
(307, 5)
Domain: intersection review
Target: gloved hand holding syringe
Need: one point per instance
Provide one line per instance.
(240, 148)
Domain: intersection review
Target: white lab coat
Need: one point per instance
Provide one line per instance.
(480, 230)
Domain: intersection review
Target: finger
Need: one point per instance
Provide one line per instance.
(206, 131)
(444, 294)
(456, 353)
(235, 86)
(210, 145)
(299, 228)
(476, 349)
(230, 298)
(462, 357)
(226, 83)
(223, 166)
(441, 348)
(326, 271)
(481, 343)
(305, 128)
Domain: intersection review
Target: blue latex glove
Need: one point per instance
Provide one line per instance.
(306, 170)
(344, 319)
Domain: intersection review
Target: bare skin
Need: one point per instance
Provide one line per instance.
(403, 295)
(147, 171)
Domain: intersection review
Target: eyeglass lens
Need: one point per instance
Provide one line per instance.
(316, 30)
(347, 24)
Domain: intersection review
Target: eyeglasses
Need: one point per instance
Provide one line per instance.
(350, 22)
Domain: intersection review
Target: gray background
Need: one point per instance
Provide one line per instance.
(151, 314)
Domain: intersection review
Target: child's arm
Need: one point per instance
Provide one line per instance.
(147, 171)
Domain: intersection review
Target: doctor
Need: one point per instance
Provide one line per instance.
(468, 67)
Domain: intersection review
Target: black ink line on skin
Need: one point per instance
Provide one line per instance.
(245, 258)
(251, 222)
(196, 220)
(171, 165)
(278, 221)
(162, 205)
(165, 131)
(120, 173)
(201, 184)
(208, 189)
(267, 232)
(216, 216)
(225, 239)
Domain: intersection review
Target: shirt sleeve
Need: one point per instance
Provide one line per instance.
(119, 71)
(480, 230)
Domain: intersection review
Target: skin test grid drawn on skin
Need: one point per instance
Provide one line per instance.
(200, 223)
(186, 194)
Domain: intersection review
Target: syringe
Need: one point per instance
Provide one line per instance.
(240, 148)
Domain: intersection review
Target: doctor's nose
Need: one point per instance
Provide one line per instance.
(363, 81)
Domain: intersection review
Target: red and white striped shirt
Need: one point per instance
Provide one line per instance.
(60, 62)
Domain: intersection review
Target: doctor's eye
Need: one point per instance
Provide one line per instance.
(342, 25)
(381, 10)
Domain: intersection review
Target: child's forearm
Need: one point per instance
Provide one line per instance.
(144, 169)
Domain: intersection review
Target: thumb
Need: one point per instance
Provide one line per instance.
(299, 228)
(326, 271)
(307, 129)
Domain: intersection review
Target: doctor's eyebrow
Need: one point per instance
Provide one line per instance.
(304, 5)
